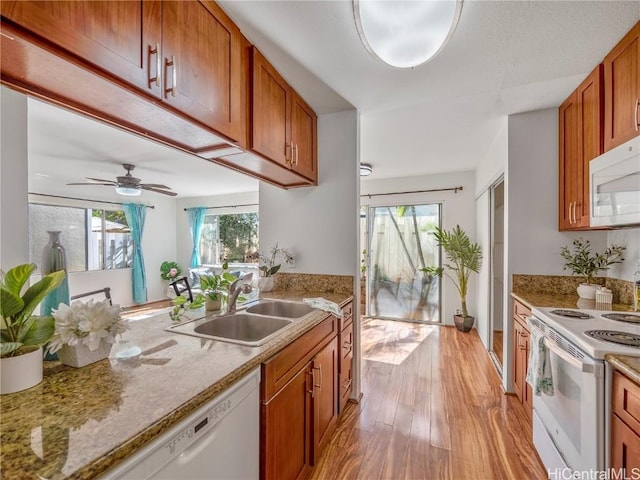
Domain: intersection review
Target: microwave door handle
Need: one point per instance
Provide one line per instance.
(583, 367)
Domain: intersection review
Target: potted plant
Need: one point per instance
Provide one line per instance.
(22, 334)
(270, 266)
(216, 287)
(182, 307)
(170, 271)
(85, 331)
(464, 257)
(582, 263)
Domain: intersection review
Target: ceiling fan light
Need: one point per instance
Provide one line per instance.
(366, 169)
(405, 34)
(128, 191)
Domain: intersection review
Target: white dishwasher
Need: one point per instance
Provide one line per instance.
(218, 441)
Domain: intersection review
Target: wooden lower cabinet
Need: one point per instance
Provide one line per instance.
(520, 342)
(299, 403)
(625, 424)
(346, 365)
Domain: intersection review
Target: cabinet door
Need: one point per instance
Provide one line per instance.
(518, 379)
(119, 38)
(622, 90)
(346, 364)
(625, 447)
(570, 171)
(202, 61)
(325, 396)
(286, 430)
(528, 391)
(270, 112)
(304, 138)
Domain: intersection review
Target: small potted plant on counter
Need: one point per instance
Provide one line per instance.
(216, 287)
(584, 264)
(183, 307)
(465, 257)
(22, 334)
(270, 266)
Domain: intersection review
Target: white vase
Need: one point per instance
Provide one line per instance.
(587, 291)
(80, 355)
(21, 372)
(194, 313)
(265, 284)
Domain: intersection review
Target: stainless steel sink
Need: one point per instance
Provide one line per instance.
(241, 328)
(279, 308)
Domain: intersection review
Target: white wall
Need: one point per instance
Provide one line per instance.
(458, 208)
(493, 164)
(320, 225)
(184, 243)
(483, 236)
(14, 220)
(631, 239)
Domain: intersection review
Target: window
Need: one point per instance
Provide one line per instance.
(93, 239)
(229, 238)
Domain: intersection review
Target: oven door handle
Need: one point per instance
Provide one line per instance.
(584, 367)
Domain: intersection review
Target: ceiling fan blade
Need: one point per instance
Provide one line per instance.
(156, 185)
(92, 183)
(157, 190)
(101, 180)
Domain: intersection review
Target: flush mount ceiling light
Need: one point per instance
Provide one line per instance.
(405, 34)
(128, 191)
(365, 169)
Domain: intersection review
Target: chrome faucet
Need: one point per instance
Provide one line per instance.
(239, 286)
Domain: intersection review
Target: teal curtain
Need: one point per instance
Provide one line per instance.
(196, 221)
(136, 214)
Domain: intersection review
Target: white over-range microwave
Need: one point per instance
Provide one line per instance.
(615, 186)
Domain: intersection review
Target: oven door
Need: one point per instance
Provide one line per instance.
(571, 422)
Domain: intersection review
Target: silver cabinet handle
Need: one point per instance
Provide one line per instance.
(313, 381)
(288, 146)
(637, 122)
(297, 152)
(156, 52)
(171, 63)
(314, 377)
(570, 217)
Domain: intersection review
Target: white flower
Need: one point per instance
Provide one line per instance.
(87, 324)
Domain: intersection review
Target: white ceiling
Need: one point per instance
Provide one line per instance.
(505, 57)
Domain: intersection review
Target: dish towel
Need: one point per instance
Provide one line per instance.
(539, 371)
(325, 305)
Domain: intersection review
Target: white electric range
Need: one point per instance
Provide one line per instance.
(571, 427)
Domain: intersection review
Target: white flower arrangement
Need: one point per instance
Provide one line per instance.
(86, 324)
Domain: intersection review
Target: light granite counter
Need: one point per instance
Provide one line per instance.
(630, 366)
(80, 422)
(559, 300)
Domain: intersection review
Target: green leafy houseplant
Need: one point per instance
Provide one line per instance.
(216, 287)
(582, 263)
(464, 257)
(19, 327)
(181, 304)
(269, 266)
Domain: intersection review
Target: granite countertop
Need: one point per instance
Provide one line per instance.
(80, 422)
(626, 364)
(560, 300)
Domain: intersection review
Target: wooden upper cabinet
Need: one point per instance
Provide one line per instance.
(270, 112)
(622, 90)
(120, 38)
(580, 141)
(201, 64)
(283, 126)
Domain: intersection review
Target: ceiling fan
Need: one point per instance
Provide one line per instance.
(128, 184)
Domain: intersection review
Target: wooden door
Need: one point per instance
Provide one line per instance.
(119, 38)
(590, 107)
(625, 447)
(622, 90)
(202, 62)
(325, 397)
(304, 138)
(286, 430)
(570, 169)
(270, 112)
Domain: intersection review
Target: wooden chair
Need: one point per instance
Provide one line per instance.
(181, 285)
(106, 291)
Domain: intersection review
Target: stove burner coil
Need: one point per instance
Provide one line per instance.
(571, 313)
(622, 338)
(623, 317)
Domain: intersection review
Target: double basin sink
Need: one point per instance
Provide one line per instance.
(253, 326)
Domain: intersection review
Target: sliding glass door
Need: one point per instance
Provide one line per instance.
(401, 246)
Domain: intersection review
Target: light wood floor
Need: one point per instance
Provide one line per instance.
(438, 414)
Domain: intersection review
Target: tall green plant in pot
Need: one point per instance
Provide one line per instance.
(22, 334)
(464, 258)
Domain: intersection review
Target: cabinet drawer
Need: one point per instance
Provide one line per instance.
(347, 316)
(626, 400)
(521, 312)
(278, 370)
(346, 342)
